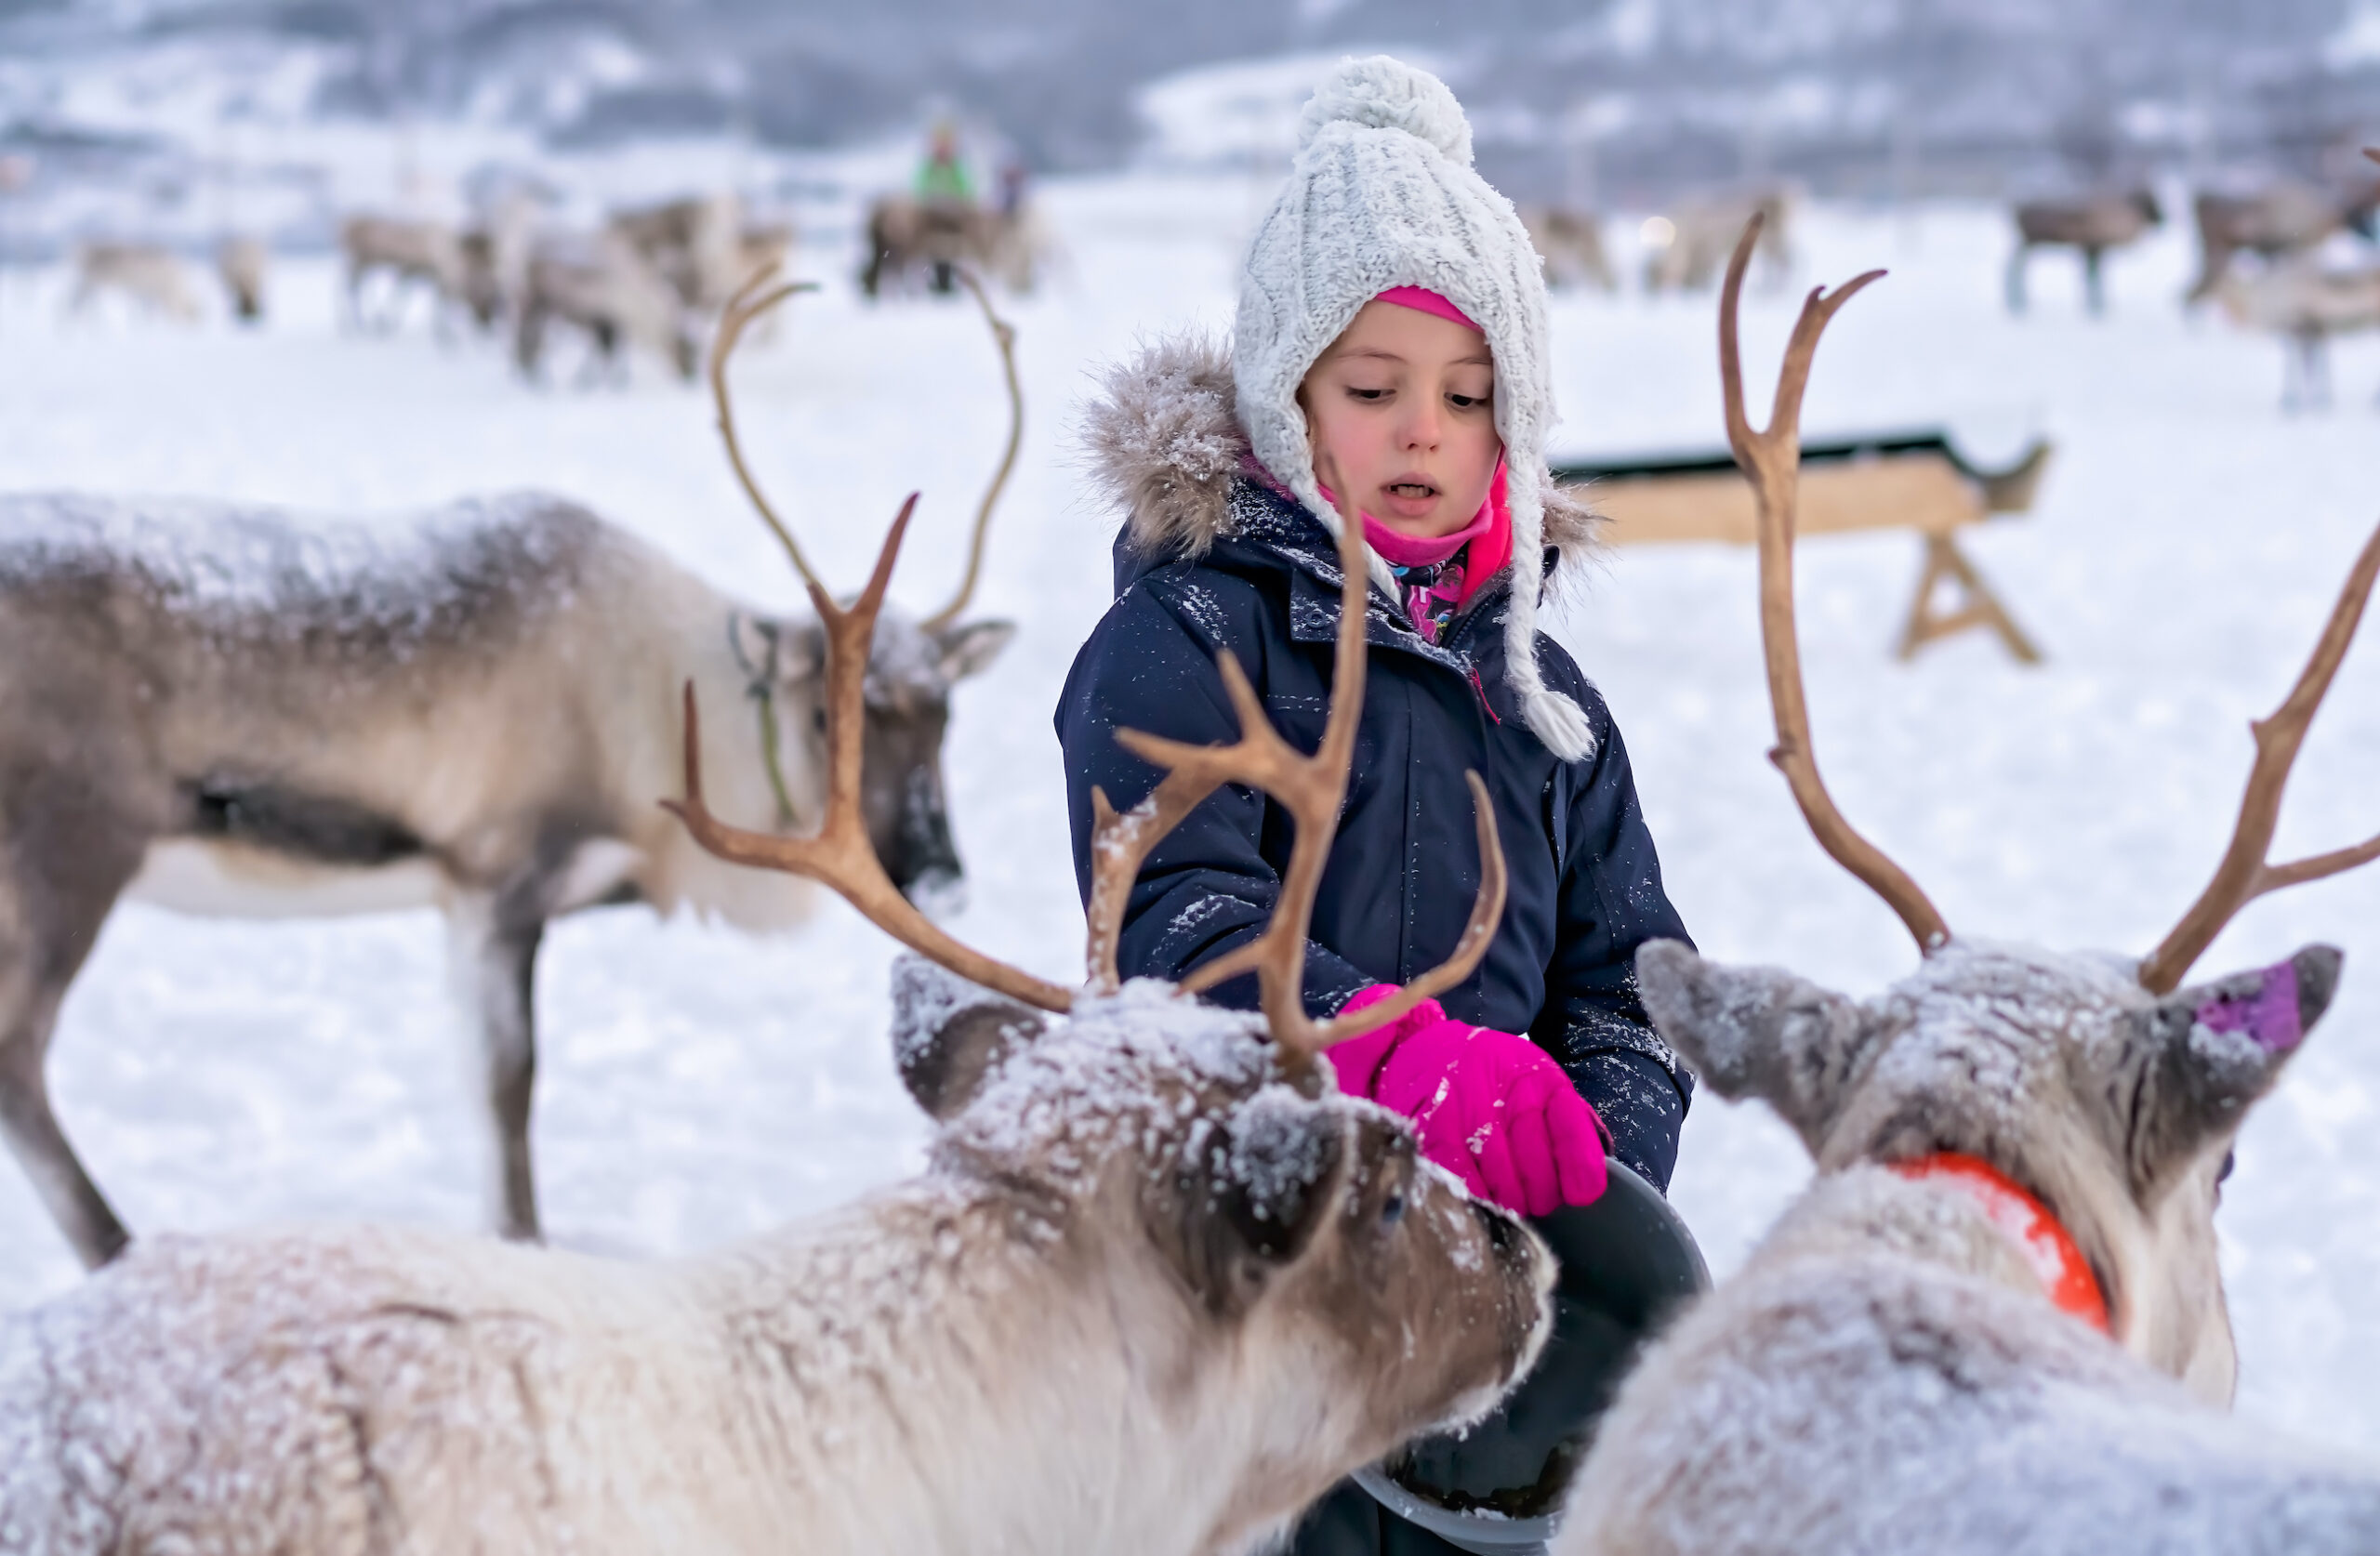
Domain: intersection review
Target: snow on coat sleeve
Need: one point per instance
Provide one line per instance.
(1206, 887)
(1611, 902)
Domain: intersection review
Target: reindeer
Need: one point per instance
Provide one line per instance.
(695, 243)
(940, 238)
(2277, 222)
(148, 274)
(2094, 224)
(238, 713)
(1160, 1286)
(2304, 305)
(607, 290)
(1686, 247)
(1570, 244)
(1995, 1321)
(413, 253)
(240, 264)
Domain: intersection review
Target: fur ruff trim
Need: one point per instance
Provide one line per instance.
(1164, 444)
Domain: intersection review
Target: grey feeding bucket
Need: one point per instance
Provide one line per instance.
(1627, 1262)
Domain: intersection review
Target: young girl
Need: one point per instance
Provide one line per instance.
(1390, 347)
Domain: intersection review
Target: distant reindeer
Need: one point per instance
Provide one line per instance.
(495, 250)
(1687, 245)
(1995, 1322)
(236, 713)
(412, 254)
(241, 263)
(607, 290)
(2276, 223)
(2305, 305)
(2094, 225)
(150, 274)
(908, 238)
(696, 244)
(1160, 1286)
(1570, 245)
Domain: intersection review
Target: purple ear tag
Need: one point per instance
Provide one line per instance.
(2269, 1014)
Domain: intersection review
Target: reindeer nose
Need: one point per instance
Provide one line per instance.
(2317, 979)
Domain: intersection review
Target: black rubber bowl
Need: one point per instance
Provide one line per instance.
(1627, 1261)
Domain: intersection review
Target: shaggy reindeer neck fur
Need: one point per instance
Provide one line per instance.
(1165, 444)
(1139, 1303)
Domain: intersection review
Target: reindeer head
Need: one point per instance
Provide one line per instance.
(1293, 1259)
(2113, 1106)
(912, 664)
(2094, 1082)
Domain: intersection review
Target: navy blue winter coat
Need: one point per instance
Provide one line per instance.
(1585, 885)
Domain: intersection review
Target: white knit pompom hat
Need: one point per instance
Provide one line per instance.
(1382, 195)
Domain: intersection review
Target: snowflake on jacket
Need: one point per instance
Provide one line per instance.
(1210, 558)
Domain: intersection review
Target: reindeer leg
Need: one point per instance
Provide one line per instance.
(2016, 277)
(2094, 293)
(493, 956)
(31, 1126)
(74, 852)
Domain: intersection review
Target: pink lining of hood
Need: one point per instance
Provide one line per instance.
(1424, 300)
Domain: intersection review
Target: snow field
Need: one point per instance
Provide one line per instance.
(697, 1086)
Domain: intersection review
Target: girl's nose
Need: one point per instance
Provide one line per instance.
(1422, 427)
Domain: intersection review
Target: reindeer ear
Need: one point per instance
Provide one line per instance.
(970, 648)
(2212, 1050)
(1251, 1190)
(949, 1034)
(1759, 1032)
(766, 649)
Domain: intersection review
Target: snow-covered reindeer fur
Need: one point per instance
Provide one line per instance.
(236, 712)
(2007, 1133)
(1159, 1287)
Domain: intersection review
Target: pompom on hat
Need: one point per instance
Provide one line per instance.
(1381, 195)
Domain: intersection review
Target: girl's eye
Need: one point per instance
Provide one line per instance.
(1366, 395)
(1465, 401)
(1392, 1210)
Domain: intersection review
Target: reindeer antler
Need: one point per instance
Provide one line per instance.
(752, 299)
(2243, 875)
(1772, 459)
(1004, 334)
(841, 854)
(1311, 788)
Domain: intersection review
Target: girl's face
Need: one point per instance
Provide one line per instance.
(1401, 410)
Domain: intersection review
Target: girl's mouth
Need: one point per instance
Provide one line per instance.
(1408, 499)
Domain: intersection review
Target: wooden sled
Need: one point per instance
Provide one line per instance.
(1911, 480)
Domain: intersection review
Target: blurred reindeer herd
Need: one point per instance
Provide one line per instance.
(2288, 257)
(649, 278)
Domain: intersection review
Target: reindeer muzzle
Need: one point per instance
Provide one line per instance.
(1626, 1262)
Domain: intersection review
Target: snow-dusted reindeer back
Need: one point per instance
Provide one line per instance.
(233, 712)
(1162, 1285)
(1995, 1322)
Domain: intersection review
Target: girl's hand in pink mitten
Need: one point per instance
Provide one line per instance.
(1491, 1108)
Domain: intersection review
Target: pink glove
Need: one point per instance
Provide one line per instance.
(1491, 1108)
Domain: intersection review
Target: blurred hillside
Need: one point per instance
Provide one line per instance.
(1592, 100)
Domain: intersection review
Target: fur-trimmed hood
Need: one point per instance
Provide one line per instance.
(1165, 444)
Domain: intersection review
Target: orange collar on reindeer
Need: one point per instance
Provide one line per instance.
(2058, 1264)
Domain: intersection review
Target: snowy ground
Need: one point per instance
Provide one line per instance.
(696, 1085)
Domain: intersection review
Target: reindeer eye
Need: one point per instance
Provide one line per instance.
(818, 720)
(1392, 1209)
